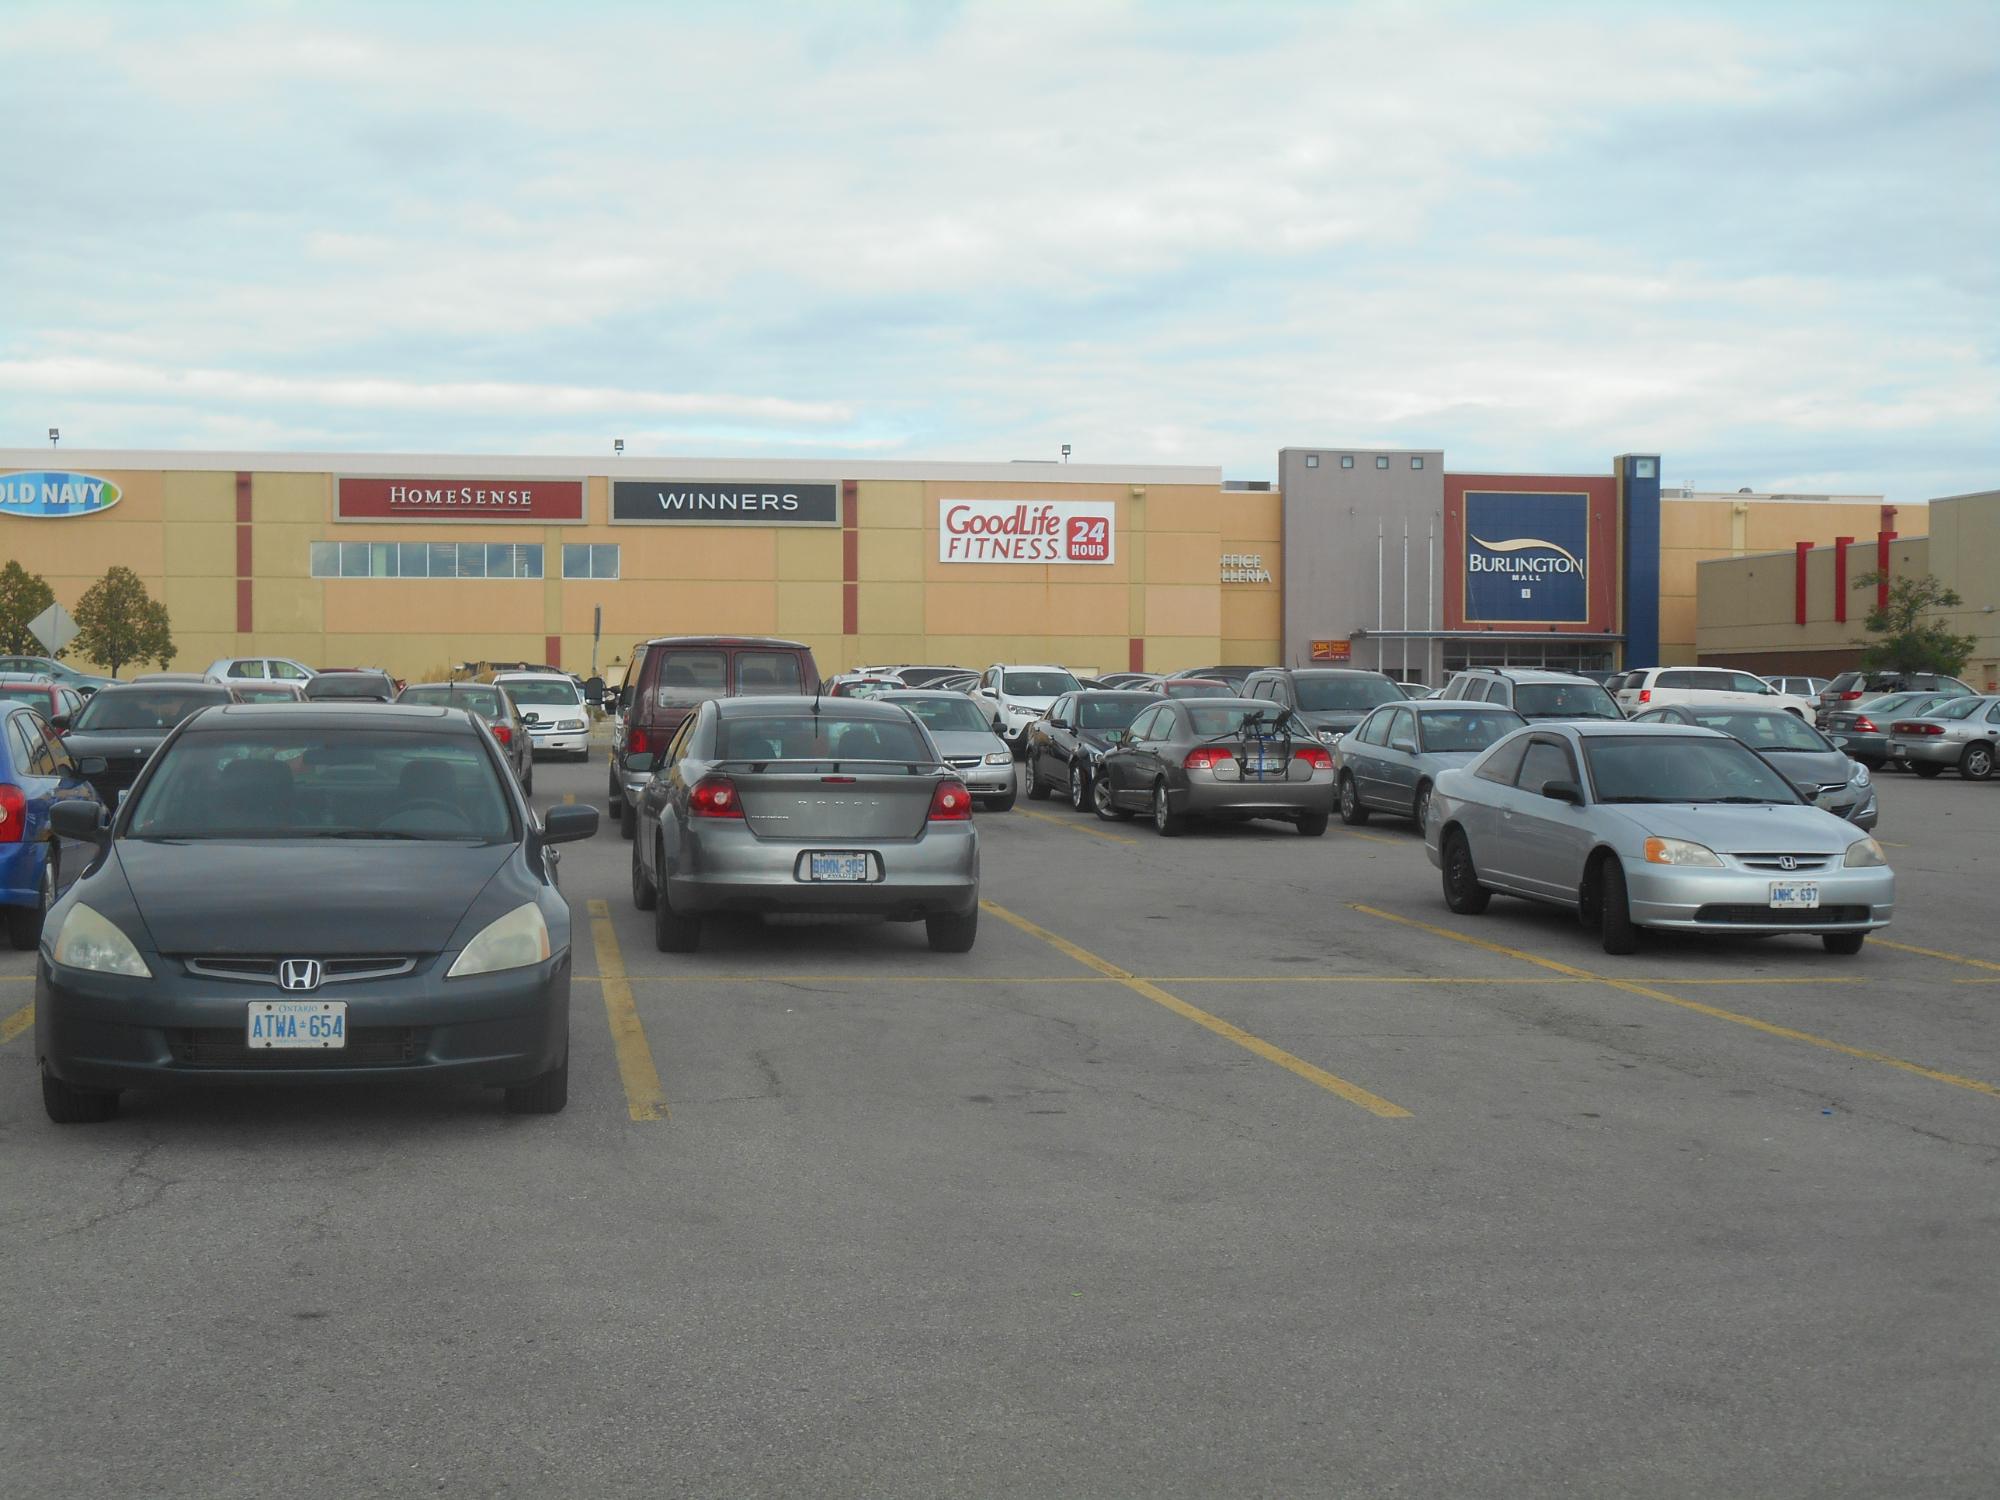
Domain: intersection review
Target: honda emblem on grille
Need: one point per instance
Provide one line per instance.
(1786, 862)
(303, 973)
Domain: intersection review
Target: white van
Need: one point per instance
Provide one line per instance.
(1656, 686)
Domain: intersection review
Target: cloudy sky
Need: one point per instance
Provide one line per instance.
(1758, 238)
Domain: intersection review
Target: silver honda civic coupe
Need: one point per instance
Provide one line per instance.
(806, 805)
(1653, 825)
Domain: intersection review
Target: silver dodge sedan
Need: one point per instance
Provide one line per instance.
(1653, 825)
(805, 805)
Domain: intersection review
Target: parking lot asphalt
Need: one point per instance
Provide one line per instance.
(1225, 1165)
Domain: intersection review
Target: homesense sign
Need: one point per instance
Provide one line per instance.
(542, 501)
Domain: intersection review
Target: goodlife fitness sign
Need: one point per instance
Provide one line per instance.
(539, 501)
(1027, 531)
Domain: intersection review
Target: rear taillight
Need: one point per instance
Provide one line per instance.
(715, 797)
(1645, 695)
(1849, 697)
(636, 742)
(503, 733)
(1316, 757)
(1206, 758)
(13, 814)
(1866, 725)
(951, 803)
(1916, 728)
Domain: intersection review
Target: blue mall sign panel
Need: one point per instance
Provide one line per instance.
(1527, 558)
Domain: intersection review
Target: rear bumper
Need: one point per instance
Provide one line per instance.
(986, 781)
(1206, 797)
(566, 742)
(1933, 751)
(1739, 900)
(734, 870)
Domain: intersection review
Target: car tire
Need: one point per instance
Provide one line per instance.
(69, 1105)
(1166, 822)
(617, 792)
(1079, 788)
(1352, 812)
(952, 932)
(1976, 762)
(544, 1094)
(24, 923)
(1874, 763)
(528, 779)
(1037, 790)
(644, 892)
(1927, 769)
(1101, 803)
(1313, 824)
(1420, 806)
(1462, 891)
(1001, 804)
(628, 820)
(673, 932)
(1614, 916)
(581, 757)
(1847, 944)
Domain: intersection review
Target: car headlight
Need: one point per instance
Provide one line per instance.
(1865, 854)
(1680, 852)
(576, 724)
(514, 941)
(91, 940)
(1329, 736)
(999, 757)
(1858, 774)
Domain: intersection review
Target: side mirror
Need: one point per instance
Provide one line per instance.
(569, 823)
(60, 723)
(1563, 791)
(1114, 736)
(1406, 745)
(92, 765)
(76, 819)
(999, 725)
(528, 718)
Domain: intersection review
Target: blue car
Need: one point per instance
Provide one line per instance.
(36, 865)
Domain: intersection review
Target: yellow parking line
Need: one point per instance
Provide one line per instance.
(17, 1023)
(1950, 958)
(1373, 838)
(1375, 1104)
(1005, 979)
(1630, 987)
(1073, 826)
(643, 1095)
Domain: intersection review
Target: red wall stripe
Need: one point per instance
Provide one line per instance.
(1840, 546)
(243, 605)
(244, 555)
(1799, 580)
(1135, 653)
(850, 502)
(552, 650)
(243, 568)
(850, 556)
(1882, 540)
(850, 609)
(242, 499)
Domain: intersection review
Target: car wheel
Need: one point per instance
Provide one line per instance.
(528, 780)
(544, 1094)
(673, 932)
(1421, 808)
(1976, 764)
(1037, 790)
(1462, 891)
(1166, 822)
(949, 932)
(1351, 810)
(1872, 762)
(1001, 804)
(24, 923)
(1927, 768)
(68, 1105)
(1079, 787)
(617, 792)
(1313, 824)
(644, 894)
(1845, 943)
(582, 757)
(1614, 917)
(1101, 803)
(628, 820)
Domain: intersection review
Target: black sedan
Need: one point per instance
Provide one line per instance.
(124, 724)
(1064, 746)
(299, 895)
(351, 685)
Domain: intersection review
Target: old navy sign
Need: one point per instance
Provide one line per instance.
(1527, 558)
(715, 502)
(542, 501)
(1027, 531)
(55, 492)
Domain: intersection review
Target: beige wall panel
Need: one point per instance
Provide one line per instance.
(197, 648)
(1677, 572)
(890, 555)
(1171, 653)
(881, 650)
(284, 552)
(998, 608)
(198, 497)
(696, 552)
(1184, 610)
(1100, 611)
(1253, 613)
(1182, 557)
(199, 604)
(1179, 508)
(890, 609)
(301, 499)
(808, 609)
(199, 549)
(1251, 522)
(307, 648)
(443, 606)
(893, 505)
(809, 553)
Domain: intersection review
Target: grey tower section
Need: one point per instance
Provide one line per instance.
(1333, 513)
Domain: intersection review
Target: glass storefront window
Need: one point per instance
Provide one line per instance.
(432, 560)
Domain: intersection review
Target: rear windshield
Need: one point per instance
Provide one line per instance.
(767, 672)
(249, 694)
(1345, 694)
(1843, 682)
(1209, 721)
(1037, 684)
(1761, 729)
(689, 677)
(484, 701)
(1109, 713)
(1672, 768)
(274, 783)
(1960, 707)
(1197, 687)
(1564, 700)
(25, 693)
(543, 690)
(146, 708)
(821, 736)
(951, 715)
(350, 685)
(1453, 729)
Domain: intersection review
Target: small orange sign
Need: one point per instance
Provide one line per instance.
(1332, 651)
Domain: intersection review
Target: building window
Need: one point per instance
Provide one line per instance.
(426, 560)
(1416, 463)
(590, 560)
(1382, 463)
(1645, 468)
(1312, 460)
(1347, 460)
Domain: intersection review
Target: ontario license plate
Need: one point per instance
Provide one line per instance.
(1262, 765)
(1794, 894)
(308, 1024)
(836, 867)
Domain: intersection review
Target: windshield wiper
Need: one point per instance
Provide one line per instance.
(376, 833)
(1752, 801)
(1647, 799)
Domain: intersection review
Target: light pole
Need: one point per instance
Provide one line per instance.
(55, 436)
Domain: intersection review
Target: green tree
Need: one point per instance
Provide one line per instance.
(23, 595)
(1908, 637)
(117, 622)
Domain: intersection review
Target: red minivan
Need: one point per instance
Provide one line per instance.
(672, 674)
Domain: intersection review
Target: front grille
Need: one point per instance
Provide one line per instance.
(333, 970)
(1828, 788)
(367, 1047)
(963, 762)
(1767, 916)
(1777, 862)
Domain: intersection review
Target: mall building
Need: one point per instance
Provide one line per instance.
(417, 563)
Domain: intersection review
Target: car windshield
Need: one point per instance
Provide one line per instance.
(484, 701)
(1680, 768)
(821, 736)
(1455, 729)
(1319, 695)
(145, 708)
(1037, 684)
(293, 783)
(350, 685)
(954, 715)
(263, 695)
(1109, 713)
(542, 690)
(1564, 700)
(1761, 728)
(1210, 721)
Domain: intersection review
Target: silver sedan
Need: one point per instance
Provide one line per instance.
(1653, 825)
(1393, 758)
(1216, 758)
(796, 804)
(1963, 733)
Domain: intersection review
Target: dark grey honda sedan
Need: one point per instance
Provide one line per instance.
(296, 895)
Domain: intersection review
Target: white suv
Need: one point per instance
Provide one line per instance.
(1016, 696)
(257, 669)
(552, 705)
(1655, 686)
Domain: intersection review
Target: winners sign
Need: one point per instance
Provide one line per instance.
(1527, 558)
(1027, 531)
